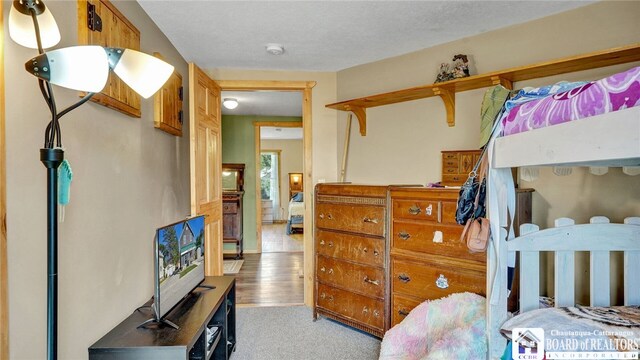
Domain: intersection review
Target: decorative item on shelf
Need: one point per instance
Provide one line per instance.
(84, 68)
(460, 69)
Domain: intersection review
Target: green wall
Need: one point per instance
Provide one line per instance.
(238, 147)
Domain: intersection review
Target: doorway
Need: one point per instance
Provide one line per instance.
(304, 88)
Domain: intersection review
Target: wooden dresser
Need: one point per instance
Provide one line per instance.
(350, 271)
(427, 259)
(232, 221)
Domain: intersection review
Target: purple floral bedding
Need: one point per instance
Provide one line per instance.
(616, 92)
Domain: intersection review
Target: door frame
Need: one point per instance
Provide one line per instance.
(256, 140)
(4, 284)
(305, 87)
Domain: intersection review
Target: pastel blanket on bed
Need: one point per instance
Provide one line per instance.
(616, 92)
(448, 328)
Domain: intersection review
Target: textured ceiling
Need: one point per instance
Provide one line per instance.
(265, 103)
(328, 35)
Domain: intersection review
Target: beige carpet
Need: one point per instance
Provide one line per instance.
(232, 266)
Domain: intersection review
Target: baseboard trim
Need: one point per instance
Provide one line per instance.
(268, 305)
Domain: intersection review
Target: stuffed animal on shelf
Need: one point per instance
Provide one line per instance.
(460, 69)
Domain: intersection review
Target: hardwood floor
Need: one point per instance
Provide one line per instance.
(270, 279)
(275, 239)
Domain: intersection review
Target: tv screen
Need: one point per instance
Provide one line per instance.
(179, 250)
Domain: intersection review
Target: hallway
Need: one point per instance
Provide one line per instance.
(270, 279)
(275, 239)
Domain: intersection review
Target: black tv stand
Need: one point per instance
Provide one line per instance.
(206, 322)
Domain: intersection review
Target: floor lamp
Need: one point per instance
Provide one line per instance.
(82, 68)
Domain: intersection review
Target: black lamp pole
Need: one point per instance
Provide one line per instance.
(51, 157)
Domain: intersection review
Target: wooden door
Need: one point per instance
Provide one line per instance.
(206, 163)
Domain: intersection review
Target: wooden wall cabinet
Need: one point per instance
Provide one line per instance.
(116, 31)
(350, 242)
(168, 115)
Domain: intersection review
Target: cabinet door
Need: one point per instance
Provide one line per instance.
(117, 31)
(168, 106)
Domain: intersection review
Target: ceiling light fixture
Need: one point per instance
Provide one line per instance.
(275, 49)
(230, 103)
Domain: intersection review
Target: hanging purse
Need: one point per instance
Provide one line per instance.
(469, 191)
(477, 231)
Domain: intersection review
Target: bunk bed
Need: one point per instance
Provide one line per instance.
(609, 139)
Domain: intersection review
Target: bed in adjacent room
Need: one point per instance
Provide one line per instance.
(295, 221)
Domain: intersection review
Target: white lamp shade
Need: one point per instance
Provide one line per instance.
(144, 73)
(83, 68)
(230, 103)
(21, 29)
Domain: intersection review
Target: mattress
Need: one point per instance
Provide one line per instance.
(616, 92)
(296, 208)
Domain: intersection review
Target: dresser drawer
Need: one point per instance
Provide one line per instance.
(429, 281)
(357, 307)
(359, 249)
(432, 239)
(229, 208)
(437, 211)
(454, 180)
(363, 219)
(401, 307)
(363, 279)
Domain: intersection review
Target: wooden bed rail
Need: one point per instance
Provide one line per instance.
(599, 238)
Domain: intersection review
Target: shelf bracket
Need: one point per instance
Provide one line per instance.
(499, 80)
(449, 99)
(361, 114)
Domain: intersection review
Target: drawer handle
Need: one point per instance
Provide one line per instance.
(323, 269)
(372, 282)
(365, 310)
(330, 271)
(403, 312)
(369, 220)
(330, 243)
(365, 250)
(404, 235)
(322, 216)
(376, 313)
(323, 295)
(442, 282)
(321, 242)
(376, 253)
(414, 210)
(404, 278)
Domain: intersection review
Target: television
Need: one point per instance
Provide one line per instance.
(179, 264)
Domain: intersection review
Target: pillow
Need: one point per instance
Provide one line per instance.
(581, 328)
(298, 197)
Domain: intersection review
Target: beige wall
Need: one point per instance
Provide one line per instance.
(291, 157)
(129, 179)
(404, 141)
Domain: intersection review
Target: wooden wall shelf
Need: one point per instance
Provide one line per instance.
(446, 90)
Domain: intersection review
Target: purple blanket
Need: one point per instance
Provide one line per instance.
(617, 92)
